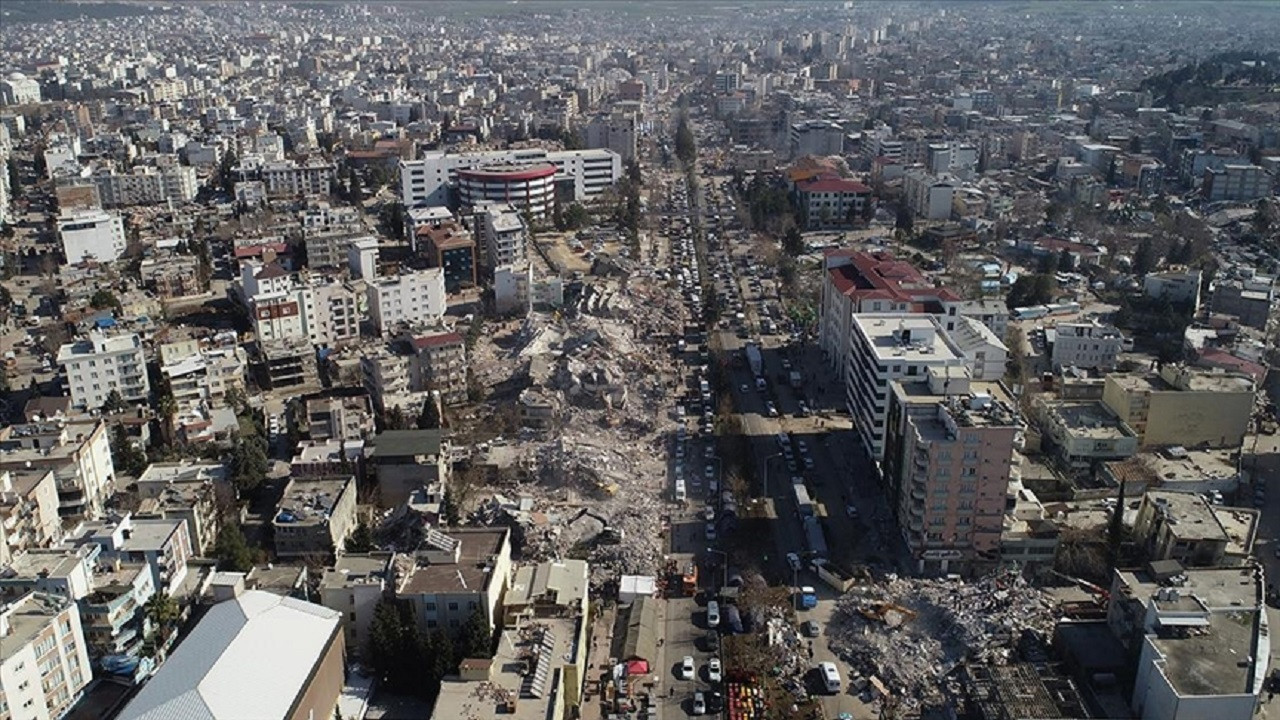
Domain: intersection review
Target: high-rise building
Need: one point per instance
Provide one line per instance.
(408, 299)
(949, 457)
(44, 660)
(589, 172)
(100, 363)
(616, 132)
(503, 232)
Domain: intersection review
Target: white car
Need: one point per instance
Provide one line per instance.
(713, 670)
(713, 622)
(699, 703)
(686, 668)
(793, 561)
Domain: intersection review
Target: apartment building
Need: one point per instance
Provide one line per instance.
(184, 491)
(861, 282)
(201, 373)
(1176, 286)
(410, 463)
(831, 201)
(289, 179)
(1081, 434)
(613, 131)
(164, 546)
(409, 299)
(354, 586)
(950, 455)
(457, 572)
(91, 235)
(286, 306)
(439, 364)
(386, 377)
(1091, 346)
(114, 615)
(426, 181)
(503, 233)
(339, 418)
(815, 137)
(44, 660)
(1235, 183)
(18, 89)
(330, 248)
(1183, 406)
(146, 185)
(1250, 299)
(103, 362)
(992, 312)
(330, 310)
(315, 516)
(451, 247)
(928, 196)
(886, 347)
(28, 511)
(78, 454)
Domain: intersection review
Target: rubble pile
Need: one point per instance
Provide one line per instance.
(910, 633)
(793, 654)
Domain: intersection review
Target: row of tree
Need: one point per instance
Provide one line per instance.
(411, 662)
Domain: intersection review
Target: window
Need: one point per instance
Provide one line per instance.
(432, 624)
(431, 606)
(453, 606)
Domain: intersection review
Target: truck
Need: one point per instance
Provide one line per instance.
(797, 379)
(755, 360)
(804, 505)
(813, 537)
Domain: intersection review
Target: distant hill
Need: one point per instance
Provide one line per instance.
(1228, 76)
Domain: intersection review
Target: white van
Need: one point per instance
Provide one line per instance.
(830, 676)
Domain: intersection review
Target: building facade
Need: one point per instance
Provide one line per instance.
(412, 298)
(44, 660)
(91, 235)
(101, 363)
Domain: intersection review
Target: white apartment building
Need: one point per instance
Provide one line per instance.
(411, 298)
(79, 455)
(91, 234)
(1087, 345)
(146, 185)
(887, 347)
(291, 179)
(502, 233)
(511, 285)
(927, 196)
(985, 352)
(18, 89)
(1236, 182)
(286, 306)
(101, 363)
(387, 378)
(44, 659)
(1178, 286)
(426, 181)
(330, 311)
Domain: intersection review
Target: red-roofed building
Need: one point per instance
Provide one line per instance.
(862, 282)
(830, 201)
(1212, 357)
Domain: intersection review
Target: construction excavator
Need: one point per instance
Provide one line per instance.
(608, 535)
(1100, 594)
(888, 613)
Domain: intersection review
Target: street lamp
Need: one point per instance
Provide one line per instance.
(766, 471)
(725, 565)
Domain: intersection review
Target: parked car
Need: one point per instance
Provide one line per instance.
(686, 668)
(713, 670)
(699, 703)
(793, 561)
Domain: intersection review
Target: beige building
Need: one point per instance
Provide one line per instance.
(1183, 406)
(456, 574)
(28, 511)
(315, 516)
(44, 661)
(1186, 527)
(184, 491)
(1082, 433)
(949, 457)
(354, 586)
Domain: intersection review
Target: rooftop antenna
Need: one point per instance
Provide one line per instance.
(462, 580)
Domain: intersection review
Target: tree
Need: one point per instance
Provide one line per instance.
(395, 419)
(793, 242)
(905, 220)
(686, 144)
(1036, 289)
(232, 550)
(1049, 263)
(475, 639)
(355, 190)
(450, 513)
(1066, 261)
(226, 172)
(575, 216)
(103, 299)
(15, 179)
(429, 417)
(361, 540)
(249, 463)
(236, 400)
(127, 458)
(1144, 260)
(163, 612)
(391, 220)
(114, 402)
(385, 639)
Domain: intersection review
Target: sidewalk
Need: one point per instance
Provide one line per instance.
(598, 664)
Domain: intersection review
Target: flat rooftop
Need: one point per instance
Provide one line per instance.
(469, 574)
(987, 404)
(1194, 466)
(550, 643)
(28, 618)
(906, 338)
(353, 570)
(310, 501)
(1217, 588)
(1196, 382)
(1208, 661)
(1091, 419)
(1192, 515)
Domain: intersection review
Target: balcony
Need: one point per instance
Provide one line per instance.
(917, 511)
(916, 526)
(918, 493)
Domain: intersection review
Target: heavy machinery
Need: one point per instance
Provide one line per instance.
(890, 614)
(1100, 594)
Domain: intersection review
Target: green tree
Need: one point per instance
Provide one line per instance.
(15, 179)
(1115, 530)
(449, 510)
(475, 639)
(905, 220)
(391, 219)
(114, 402)
(249, 463)
(1049, 263)
(355, 188)
(1144, 260)
(361, 540)
(226, 176)
(576, 217)
(429, 417)
(163, 612)
(1066, 261)
(1036, 289)
(126, 457)
(235, 399)
(386, 643)
(232, 550)
(793, 242)
(395, 419)
(103, 299)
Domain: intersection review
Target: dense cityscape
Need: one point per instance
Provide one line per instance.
(565, 360)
